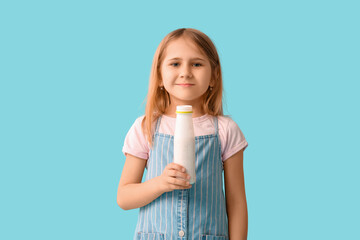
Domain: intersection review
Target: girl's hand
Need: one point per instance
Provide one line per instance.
(174, 177)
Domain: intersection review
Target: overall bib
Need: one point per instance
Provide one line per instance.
(196, 213)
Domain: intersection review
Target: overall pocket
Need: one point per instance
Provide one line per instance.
(212, 237)
(149, 236)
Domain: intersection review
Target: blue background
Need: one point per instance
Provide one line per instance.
(74, 76)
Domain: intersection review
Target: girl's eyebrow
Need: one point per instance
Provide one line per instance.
(190, 59)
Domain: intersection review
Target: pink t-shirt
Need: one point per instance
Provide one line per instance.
(231, 137)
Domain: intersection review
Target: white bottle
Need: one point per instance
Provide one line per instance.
(184, 140)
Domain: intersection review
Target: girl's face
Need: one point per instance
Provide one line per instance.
(185, 71)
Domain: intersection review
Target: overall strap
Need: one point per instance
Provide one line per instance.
(158, 124)
(216, 125)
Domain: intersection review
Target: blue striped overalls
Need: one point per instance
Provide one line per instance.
(195, 213)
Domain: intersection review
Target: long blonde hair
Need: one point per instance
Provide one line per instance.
(158, 100)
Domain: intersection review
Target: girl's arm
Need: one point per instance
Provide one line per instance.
(236, 205)
(132, 193)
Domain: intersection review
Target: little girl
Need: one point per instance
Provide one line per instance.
(186, 71)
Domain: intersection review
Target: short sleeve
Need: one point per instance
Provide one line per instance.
(135, 142)
(234, 139)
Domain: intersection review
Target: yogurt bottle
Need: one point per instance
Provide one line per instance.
(184, 140)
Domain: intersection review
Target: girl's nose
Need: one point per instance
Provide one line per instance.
(185, 72)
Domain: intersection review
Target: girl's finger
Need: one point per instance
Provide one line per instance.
(176, 167)
(178, 182)
(174, 173)
(181, 187)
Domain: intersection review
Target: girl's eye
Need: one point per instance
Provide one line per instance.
(177, 64)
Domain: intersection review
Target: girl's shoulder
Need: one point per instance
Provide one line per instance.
(139, 120)
(231, 136)
(135, 141)
(227, 124)
(136, 125)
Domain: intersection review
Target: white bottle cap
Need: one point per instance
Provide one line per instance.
(184, 109)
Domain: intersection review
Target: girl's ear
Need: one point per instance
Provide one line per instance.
(159, 80)
(214, 77)
(212, 83)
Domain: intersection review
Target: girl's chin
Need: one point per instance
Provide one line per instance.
(186, 98)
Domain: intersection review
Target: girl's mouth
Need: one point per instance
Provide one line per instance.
(185, 84)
